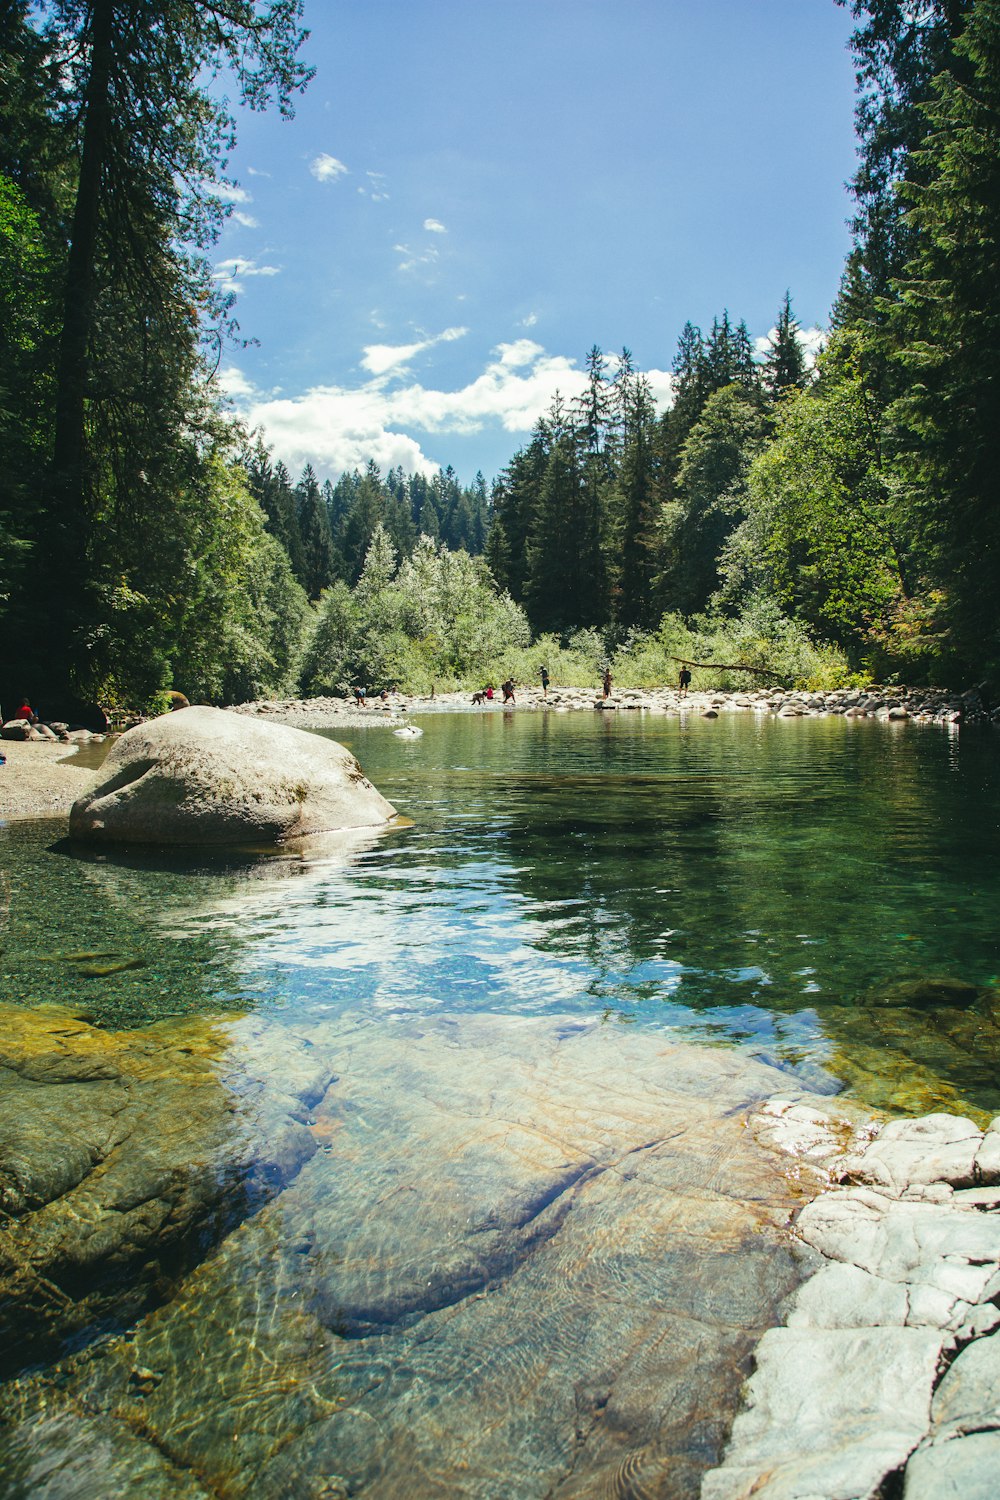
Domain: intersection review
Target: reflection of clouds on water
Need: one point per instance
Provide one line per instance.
(396, 937)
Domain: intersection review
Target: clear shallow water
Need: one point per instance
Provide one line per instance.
(747, 880)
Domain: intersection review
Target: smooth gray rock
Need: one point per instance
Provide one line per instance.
(204, 776)
(964, 1469)
(968, 1398)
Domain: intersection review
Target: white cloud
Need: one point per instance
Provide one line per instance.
(338, 427)
(811, 340)
(326, 168)
(230, 193)
(255, 172)
(661, 386)
(529, 321)
(228, 273)
(375, 189)
(414, 258)
(235, 383)
(379, 359)
(435, 226)
(247, 220)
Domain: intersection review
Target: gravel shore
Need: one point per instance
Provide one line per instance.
(40, 780)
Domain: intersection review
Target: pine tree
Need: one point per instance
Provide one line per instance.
(899, 49)
(636, 504)
(785, 361)
(319, 563)
(945, 330)
(151, 148)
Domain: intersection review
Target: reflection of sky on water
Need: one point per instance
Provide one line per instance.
(704, 876)
(424, 939)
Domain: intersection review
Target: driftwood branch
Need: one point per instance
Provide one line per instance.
(727, 666)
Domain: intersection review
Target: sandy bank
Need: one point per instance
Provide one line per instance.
(40, 780)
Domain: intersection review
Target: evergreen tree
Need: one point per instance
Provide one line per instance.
(150, 153)
(271, 488)
(899, 49)
(367, 511)
(319, 562)
(556, 584)
(711, 493)
(635, 502)
(945, 331)
(515, 500)
(785, 361)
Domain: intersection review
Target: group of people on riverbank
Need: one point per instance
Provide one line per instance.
(485, 694)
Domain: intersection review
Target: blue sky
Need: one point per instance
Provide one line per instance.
(472, 194)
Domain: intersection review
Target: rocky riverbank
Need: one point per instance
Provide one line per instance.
(884, 1378)
(40, 780)
(922, 705)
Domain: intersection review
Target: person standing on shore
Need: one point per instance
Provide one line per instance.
(545, 681)
(606, 682)
(684, 681)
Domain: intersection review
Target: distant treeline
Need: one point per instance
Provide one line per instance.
(326, 529)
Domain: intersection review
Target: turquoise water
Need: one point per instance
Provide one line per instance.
(748, 880)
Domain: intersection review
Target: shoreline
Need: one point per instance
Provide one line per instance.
(921, 705)
(39, 780)
(896, 1333)
(42, 778)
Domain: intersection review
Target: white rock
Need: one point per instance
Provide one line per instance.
(842, 1296)
(964, 1469)
(204, 776)
(833, 1412)
(968, 1398)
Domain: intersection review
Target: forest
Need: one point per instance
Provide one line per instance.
(835, 521)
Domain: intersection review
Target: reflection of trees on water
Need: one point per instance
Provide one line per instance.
(805, 874)
(133, 935)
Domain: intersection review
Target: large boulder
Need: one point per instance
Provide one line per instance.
(204, 776)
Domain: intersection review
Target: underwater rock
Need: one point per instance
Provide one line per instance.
(204, 776)
(926, 994)
(529, 1258)
(123, 1157)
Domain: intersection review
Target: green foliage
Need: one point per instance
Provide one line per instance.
(711, 494)
(944, 330)
(435, 620)
(207, 606)
(822, 512)
(759, 636)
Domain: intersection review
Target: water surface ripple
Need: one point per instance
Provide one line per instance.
(748, 880)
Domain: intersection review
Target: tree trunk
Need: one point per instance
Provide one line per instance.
(68, 513)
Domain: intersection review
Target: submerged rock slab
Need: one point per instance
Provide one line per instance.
(204, 776)
(123, 1157)
(529, 1259)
